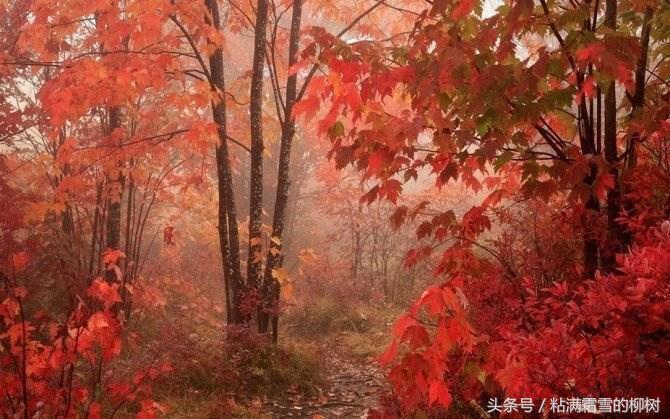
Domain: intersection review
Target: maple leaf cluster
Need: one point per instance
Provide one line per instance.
(43, 358)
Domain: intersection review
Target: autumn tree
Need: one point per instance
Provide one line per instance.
(261, 285)
(92, 157)
(531, 101)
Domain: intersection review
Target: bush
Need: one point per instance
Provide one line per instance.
(274, 369)
(326, 315)
(255, 367)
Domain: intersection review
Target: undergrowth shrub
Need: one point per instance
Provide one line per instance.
(257, 368)
(221, 361)
(327, 315)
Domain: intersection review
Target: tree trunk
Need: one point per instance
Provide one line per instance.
(94, 230)
(637, 103)
(254, 262)
(227, 213)
(114, 197)
(271, 287)
(128, 243)
(613, 245)
(588, 147)
(116, 189)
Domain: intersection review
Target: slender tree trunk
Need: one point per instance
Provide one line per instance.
(114, 212)
(640, 77)
(588, 146)
(591, 245)
(257, 145)
(114, 197)
(127, 278)
(614, 231)
(227, 213)
(254, 261)
(589, 127)
(117, 183)
(271, 287)
(94, 231)
(637, 103)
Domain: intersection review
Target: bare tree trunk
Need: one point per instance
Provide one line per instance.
(254, 261)
(637, 103)
(588, 147)
(128, 244)
(227, 213)
(114, 212)
(114, 197)
(612, 157)
(588, 126)
(94, 231)
(271, 287)
(640, 76)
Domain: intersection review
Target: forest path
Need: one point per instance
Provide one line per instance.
(353, 386)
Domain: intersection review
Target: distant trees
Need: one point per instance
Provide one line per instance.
(115, 94)
(275, 53)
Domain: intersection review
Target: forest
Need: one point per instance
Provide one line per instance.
(334, 209)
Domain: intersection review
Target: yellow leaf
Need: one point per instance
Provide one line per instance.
(281, 275)
(258, 257)
(287, 291)
(307, 255)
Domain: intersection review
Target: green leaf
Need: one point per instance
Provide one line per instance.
(502, 160)
(486, 122)
(445, 100)
(530, 170)
(337, 130)
(558, 99)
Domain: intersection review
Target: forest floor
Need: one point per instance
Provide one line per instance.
(325, 366)
(348, 351)
(352, 387)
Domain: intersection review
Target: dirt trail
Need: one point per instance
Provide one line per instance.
(353, 387)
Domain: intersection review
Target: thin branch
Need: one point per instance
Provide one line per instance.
(402, 10)
(558, 36)
(32, 63)
(238, 143)
(170, 135)
(194, 48)
(548, 137)
(661, 79)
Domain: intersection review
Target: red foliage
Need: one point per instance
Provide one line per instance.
(536, 321)
(41, 359)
